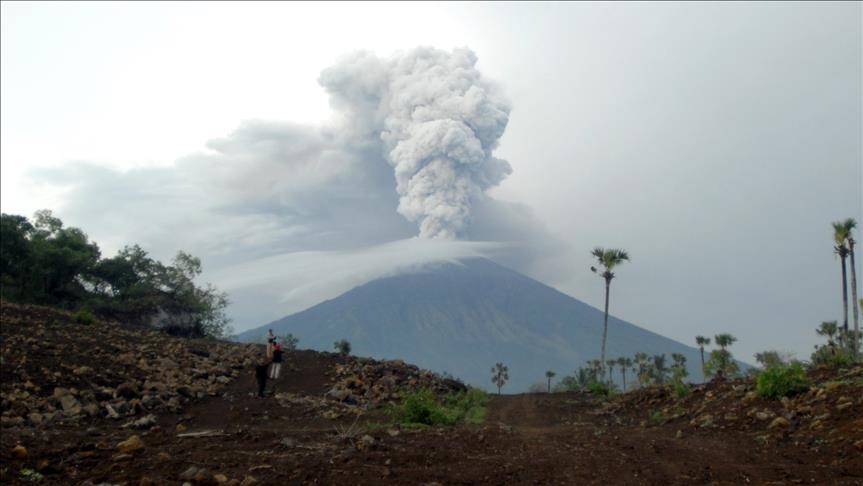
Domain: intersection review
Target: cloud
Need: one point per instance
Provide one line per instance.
(285, 215)
(439, 122)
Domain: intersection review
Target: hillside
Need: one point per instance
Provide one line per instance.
(463, 317)
(325, 422)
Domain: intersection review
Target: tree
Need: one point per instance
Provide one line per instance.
(841, 232)
(611, 363)
(721, 361)
(771, 359)
(641, 368)
(343, 347)
(678, 368)
(849, 225)
(608, 259)
(702, 341)
(659, 369)
(499, 375)
(624, 363)
(549, 374)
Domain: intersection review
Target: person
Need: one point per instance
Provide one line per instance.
(261, 376)
(277, 361)
(270, 340)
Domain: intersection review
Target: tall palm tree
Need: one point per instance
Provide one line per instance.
(849, 225)
(641, 365)
(702, 341)
(549, 374)
(608, 259)
(611, 364)
(840, 234)
(624, 363)
(724, 340)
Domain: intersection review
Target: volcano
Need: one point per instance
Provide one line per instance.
(462, 317)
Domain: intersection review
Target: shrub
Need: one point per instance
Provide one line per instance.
(781, 381)
(598, 388)
(421, 408)
(84, 316)
(680, 388)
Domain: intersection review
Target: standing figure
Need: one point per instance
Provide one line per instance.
(277, 361)
(261, 376)
(270, 340)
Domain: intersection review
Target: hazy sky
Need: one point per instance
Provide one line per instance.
(714, 141)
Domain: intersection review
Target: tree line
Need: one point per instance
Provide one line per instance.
(46, 263)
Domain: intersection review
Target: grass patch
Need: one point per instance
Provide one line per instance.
(782, 381)
(421, 408)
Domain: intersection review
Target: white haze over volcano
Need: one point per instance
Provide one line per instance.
(439, 121)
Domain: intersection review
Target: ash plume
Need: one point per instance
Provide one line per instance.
(437, 121)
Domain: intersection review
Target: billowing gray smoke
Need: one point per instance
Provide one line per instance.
(438, 122)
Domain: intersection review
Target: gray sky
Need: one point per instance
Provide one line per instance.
(714, 141)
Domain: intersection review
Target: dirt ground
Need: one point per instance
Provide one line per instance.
(567, 438)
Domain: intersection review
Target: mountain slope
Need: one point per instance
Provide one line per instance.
(463, 317)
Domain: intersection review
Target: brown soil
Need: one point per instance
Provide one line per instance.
(642, 437)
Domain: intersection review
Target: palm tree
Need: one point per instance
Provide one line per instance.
(659, 368)
(611, 364)
(641, 365)
(840, 234)
(608, 259)
(849, 225)
(499, 375)
(624, 363)
(702, 341)
(829, 329)
(724, 340)
(549, 374)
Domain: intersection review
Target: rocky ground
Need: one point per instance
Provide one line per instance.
(109, 404)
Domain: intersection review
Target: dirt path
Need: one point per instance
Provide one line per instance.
(569, 438)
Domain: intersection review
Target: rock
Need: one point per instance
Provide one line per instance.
(35, 418)
(767, 414)
(779, 423)
(185, 391)
(11, 421)
(60, 392)
(730, 416)
(142, 423)
(82, 370)
(844, 405)
(91, 409)
(130, 445)
(203, 477)
(71, 405)
(288, 442)
(365, 442)
(121, 457)
(679, 434)
(220, 478)
(249, 481)
(859, 445)
(19, 451)
(146, 481)
(189, 473)
(127, 390)
(112, 413)
(338, 393)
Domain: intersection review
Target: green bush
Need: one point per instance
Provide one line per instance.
(84, 316)
(680, 388)
(598, 388)
(422, 408)
(781, 381)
